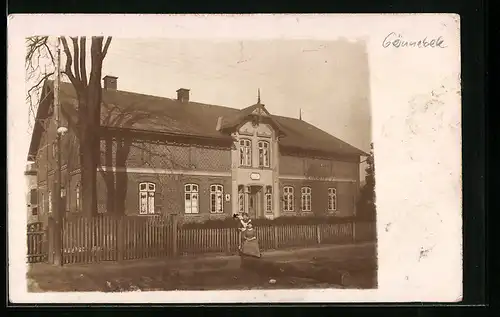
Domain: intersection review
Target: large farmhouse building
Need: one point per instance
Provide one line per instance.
(161, 156)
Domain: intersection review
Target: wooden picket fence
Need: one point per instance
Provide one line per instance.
(108, 238)
(37, 250)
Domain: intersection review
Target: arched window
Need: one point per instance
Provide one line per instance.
(288, 198)
(77, 198)
(147, 193)
(264, 156)
(332, 199)
(245, 152)
(305, 199)
(216, 204)
(191, 198)
(269, 199)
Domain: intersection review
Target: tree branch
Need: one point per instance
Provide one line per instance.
(106, 46)
(76, 53)
(69, 61)
(83, 66)
(40, 82)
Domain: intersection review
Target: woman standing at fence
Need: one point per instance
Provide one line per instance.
(248, 244)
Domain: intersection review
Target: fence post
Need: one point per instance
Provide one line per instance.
(318, 234)
(120, 239)
(276, 242)
(228, 240)
(174, 234)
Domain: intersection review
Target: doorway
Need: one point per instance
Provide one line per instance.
(255, 202)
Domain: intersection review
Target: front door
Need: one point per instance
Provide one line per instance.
(255, 202)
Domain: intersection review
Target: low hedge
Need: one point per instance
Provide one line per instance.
(286, 220)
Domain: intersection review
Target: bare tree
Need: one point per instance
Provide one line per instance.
(88, 93)
(117, 148)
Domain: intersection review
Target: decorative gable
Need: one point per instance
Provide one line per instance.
(260, 112)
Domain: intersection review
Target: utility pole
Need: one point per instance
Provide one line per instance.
(58, 208)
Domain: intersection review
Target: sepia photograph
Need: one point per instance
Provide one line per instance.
(211, 163)
(160, 190)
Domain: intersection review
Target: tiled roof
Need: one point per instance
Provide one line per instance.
(150, 113)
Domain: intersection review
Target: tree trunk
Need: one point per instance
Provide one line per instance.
(89, 179)
(109, 175)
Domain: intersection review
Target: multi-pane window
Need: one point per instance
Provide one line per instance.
(241, 199)
(216, 205)
(77, 198)
(245, 152)
(191, 198)
(305, 199)
(147, 198)
(50, 201)
(288, 198)
(269, 199)
(264, 156)
(332, 199)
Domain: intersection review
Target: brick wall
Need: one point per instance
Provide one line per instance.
(346, 192)
(169, 195)
(305, 166)
(144, 154)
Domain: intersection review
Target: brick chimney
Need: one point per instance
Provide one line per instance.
(183, 95)
(110, 82)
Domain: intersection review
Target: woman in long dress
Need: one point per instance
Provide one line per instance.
(250, 245)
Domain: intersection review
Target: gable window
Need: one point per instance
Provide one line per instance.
(77, 197)
(50, 201)
(216, 205)
(147, 193)
(305, 198)
(288, 198)
(269, 199)
(191, 198)
(264, 157)
(332, 199)
(245, 152)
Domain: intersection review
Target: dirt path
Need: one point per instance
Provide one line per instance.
(206, 273)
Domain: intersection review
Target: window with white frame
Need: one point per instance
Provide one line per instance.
(216, 205)
(77, 197)
(147, 193)
(191, 198)
(288, 198)
(332, 199)
(50, 201)
(305, 200)
(269, 199)
(264, 156)
(241, 199)
(245, 152)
